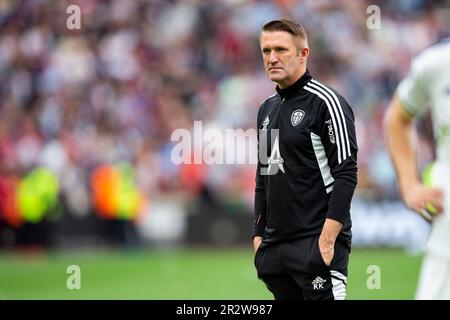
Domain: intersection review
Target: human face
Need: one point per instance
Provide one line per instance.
(283, 61)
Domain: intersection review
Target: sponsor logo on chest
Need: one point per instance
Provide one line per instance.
(265, 123)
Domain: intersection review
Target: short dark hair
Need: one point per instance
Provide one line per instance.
(288, 26)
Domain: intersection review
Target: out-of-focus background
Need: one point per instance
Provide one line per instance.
(86, 117)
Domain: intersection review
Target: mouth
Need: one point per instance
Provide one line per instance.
(275, 68)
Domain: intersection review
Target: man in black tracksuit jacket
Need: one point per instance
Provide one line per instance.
(306, 175)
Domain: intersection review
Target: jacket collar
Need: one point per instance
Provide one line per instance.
(300, 83)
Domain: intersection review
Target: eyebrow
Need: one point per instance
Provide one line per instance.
(275, 48)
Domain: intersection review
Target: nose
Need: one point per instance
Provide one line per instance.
(273, 57)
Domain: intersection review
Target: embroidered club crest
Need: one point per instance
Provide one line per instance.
(297, 117)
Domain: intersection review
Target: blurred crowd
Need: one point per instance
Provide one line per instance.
(114, 91)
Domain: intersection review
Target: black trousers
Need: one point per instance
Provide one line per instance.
(295, 270)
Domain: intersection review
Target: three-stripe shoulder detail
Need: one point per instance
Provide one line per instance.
(337, 116)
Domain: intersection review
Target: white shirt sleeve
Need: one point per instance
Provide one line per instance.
(414, 90)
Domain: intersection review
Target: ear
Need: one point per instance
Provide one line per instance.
(304, 53)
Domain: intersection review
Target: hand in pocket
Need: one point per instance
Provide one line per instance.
(326, 252)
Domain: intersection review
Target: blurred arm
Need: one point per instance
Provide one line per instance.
(398, 136)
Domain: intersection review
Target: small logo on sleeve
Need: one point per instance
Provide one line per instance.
(330, 131)
(297, 117)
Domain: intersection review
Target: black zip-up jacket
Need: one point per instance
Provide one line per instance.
(309, 172)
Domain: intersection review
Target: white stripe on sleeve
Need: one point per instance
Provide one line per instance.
(341, 112)
(330, 110)
(322, 161)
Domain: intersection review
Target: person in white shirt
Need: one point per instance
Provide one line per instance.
(426, 87)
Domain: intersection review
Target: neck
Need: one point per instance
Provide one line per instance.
(293, 79)
(294, 87)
